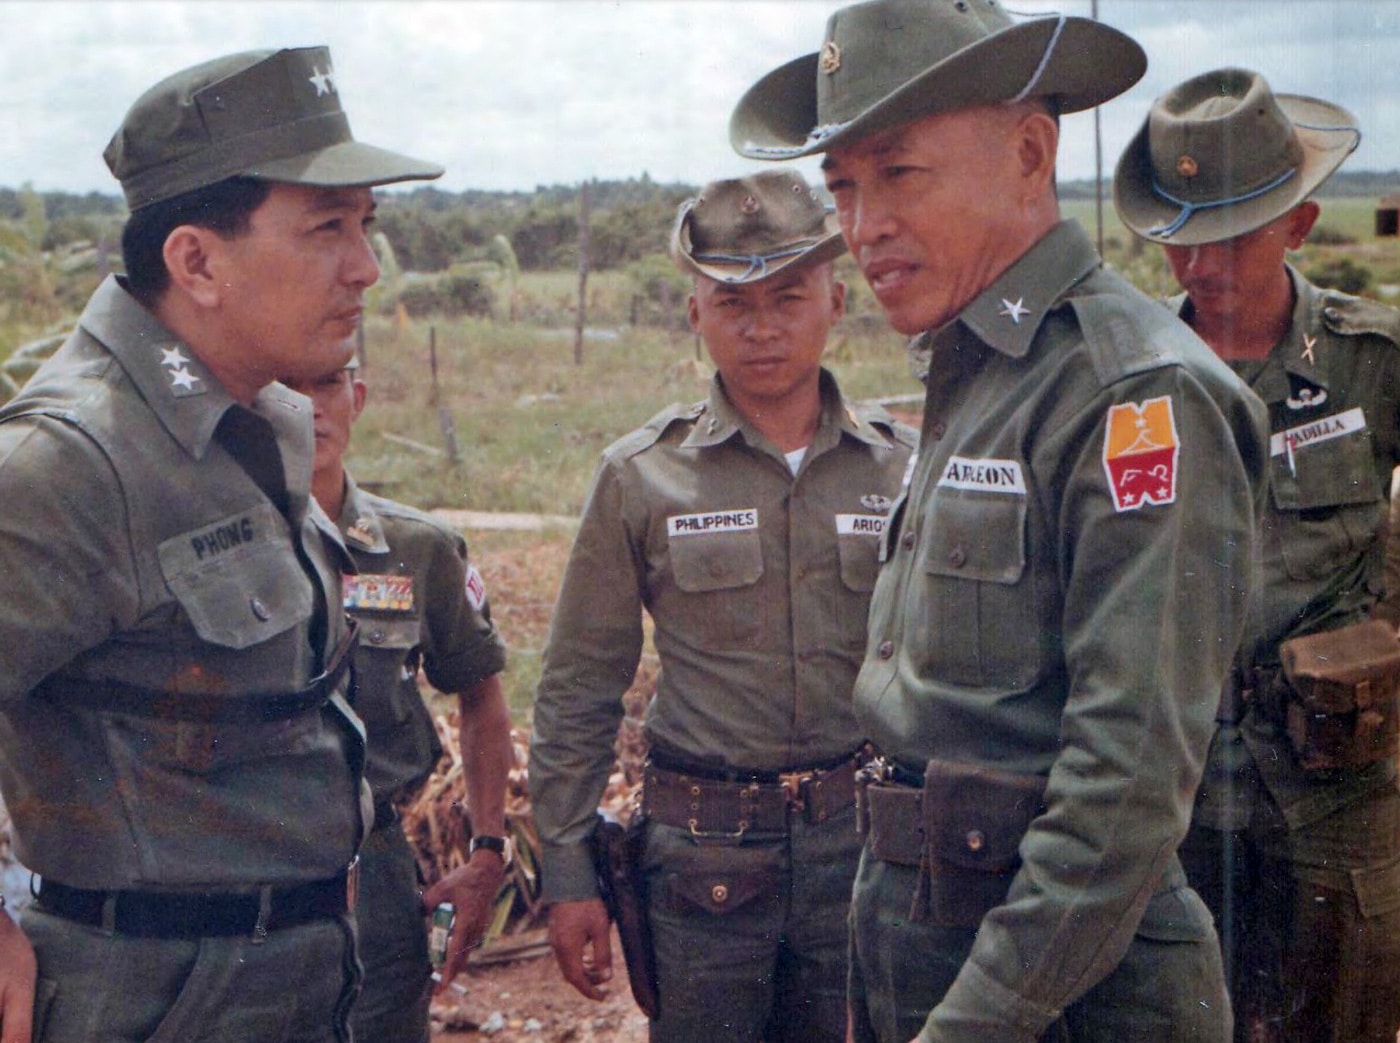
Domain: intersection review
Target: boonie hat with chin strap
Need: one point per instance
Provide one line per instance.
(1222, 154)
(272, 115)
(889, 62)
(744, 229)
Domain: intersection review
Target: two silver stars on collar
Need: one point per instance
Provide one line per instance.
(175, 362)
(1014, 310)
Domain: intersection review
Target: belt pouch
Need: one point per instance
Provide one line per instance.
(1343, 710)
(973, 821)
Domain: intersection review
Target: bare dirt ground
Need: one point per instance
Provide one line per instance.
(528, 1001)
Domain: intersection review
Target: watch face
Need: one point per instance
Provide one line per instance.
(500, 845)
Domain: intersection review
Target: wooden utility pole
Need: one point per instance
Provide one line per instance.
(582, 316)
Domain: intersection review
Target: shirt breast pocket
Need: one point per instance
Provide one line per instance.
(1328, 504)
(980, 620)
(387, 688)
(720, 573)
(238, 579)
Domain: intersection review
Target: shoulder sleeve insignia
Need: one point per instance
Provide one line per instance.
(366, 590)
(476, 588)
(1140, 453)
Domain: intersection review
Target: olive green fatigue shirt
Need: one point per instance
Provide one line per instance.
(758, 583)
(134, 548)
(1332, 388)
(1064, 591)
(419, 602)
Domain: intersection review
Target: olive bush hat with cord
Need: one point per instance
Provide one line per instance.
(271, 115)
(741, 230)
(1222, 154)
(889, 62)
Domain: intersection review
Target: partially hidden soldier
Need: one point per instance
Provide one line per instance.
(747, 526)
(1295, 841)
(1065, 579)
(181, 766)
(419, 603)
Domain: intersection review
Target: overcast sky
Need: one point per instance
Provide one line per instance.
(510, 95)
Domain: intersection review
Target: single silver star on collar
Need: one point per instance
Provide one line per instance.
(182, 378)
(324, 81)
(172, 357)
(1015, 310)
(1308, 344)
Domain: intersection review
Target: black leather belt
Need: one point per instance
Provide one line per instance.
(167, 914)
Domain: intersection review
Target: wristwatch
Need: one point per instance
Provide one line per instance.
(501, 845)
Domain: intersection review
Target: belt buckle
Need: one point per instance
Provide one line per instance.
(794, 785)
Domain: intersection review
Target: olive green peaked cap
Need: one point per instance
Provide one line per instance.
(273, 115)
(1222, 154)
(744, 229)
(889, 62)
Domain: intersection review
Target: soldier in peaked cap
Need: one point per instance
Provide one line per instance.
(1295, 841)
(181, 765)
(748, 526)
(1065, 580)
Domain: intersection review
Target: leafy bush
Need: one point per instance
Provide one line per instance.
(1340, 273)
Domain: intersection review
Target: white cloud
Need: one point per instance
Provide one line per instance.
(515, 93)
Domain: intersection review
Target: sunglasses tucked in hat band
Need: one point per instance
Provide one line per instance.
(1221, 155)
(273, 115)
(888, 62)
(742, 230)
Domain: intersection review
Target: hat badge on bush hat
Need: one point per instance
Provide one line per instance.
(1221, 155)
(272, 115)
(888, 62)
(741, 230)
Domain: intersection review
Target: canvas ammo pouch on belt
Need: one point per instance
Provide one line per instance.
(1343, 710)
(963, 829)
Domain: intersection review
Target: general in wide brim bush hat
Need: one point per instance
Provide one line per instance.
(889, 62)
(1222, 154)
(744, 229)
(272, 115)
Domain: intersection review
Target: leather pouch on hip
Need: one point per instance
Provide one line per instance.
(973, 821)
(1344, 712)
(617, 861)
(719, 881)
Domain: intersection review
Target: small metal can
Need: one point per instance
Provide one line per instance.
(440, 932)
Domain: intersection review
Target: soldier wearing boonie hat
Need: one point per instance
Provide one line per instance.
(748, 527)
(182, 767)
(1065, 578)
(1295, 843)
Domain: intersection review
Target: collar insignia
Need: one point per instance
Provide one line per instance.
(359, 532)
(1014, 310)
(1308, 344)
(182, 381)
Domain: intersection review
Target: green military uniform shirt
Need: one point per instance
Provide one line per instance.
(418, 602)
(1332, 388)
(1064, 591)
(758, 583)
(134, 548)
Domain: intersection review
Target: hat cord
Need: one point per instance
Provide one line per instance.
(756, 262)
(1044, 60)
(1189, 209)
